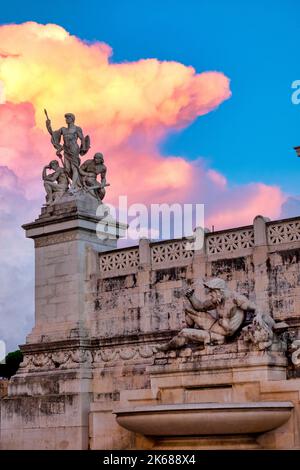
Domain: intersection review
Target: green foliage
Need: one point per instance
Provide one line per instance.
(12, 362)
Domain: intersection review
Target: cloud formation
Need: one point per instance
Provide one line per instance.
(17, 261)
(127, 109)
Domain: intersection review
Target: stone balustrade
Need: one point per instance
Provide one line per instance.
(283, 231)
(222, 244)
(124, 262)
(228, 241)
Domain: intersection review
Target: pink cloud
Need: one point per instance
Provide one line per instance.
(239, 205)
(217, 178)
(127, 109)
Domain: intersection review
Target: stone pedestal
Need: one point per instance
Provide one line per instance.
(62, 235)
(49, 398)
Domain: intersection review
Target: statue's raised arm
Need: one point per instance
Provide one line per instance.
(55, 136)
(70, 135)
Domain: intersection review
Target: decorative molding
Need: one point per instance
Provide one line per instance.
(64, 359)
(283, 232)
(126, 354)
(228, 242)
(55, 238)
(105, 355)
(56, 360)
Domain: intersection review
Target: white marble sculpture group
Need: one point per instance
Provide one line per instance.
(72, 176)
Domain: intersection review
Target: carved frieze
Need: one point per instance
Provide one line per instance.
(72, 359)
(55, 238)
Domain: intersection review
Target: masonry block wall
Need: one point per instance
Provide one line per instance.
(137, 295)
(123, 303)
(141, 289)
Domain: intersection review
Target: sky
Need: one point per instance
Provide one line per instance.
(194, 94)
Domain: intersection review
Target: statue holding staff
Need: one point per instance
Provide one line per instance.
(70, 147)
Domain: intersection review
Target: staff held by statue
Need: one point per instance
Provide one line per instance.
(58, 147)
(70, 136)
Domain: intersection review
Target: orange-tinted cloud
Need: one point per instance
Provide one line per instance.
(47, 67)
(126, 108)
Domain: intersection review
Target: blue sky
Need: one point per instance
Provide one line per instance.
(251, 136)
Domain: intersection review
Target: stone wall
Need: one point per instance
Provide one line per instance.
(140, 289)
(129, 302)
(137, 300)
(3, 387)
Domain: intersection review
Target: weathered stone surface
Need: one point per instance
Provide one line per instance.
(101, 313)
(3, 387)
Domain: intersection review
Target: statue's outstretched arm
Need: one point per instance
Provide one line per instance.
(54, 176)
(44, 174)
(244, 303)
(48, 127)
(55, 135)
(103, 177)
(83, 168)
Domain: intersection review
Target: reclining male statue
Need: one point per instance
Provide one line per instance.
(217, 318)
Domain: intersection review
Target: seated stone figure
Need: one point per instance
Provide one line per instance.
(56, 183)
(213, 320)
(89, 171)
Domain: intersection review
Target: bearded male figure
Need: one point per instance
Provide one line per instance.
(213, 320)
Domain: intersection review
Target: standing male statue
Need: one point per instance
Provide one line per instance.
(70, 147)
